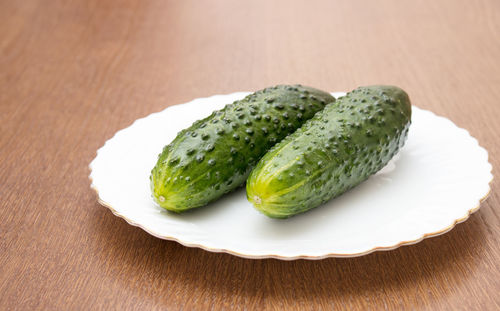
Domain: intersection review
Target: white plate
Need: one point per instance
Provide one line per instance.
(437, 180)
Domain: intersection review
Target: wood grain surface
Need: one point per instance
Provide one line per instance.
(74, 72)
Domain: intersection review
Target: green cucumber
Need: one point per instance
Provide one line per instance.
(336, 150)
(215, 155)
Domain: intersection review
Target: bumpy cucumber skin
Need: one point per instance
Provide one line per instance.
(215, 155)
(336, 150)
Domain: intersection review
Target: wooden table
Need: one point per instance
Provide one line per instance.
(72, 73)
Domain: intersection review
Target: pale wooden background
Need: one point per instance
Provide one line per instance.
(72, 73)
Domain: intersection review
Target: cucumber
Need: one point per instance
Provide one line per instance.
(336, 150)
(215, 155)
